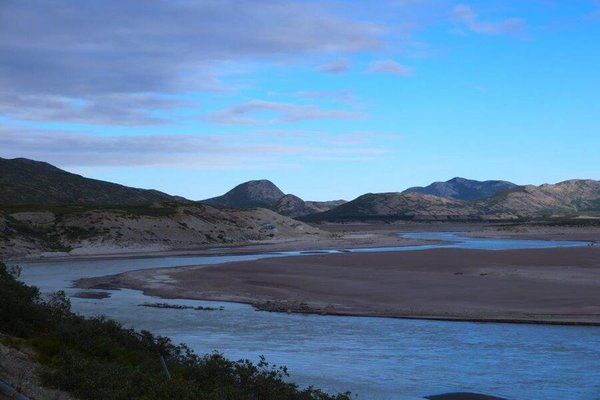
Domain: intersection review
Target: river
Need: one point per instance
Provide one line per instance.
(375, 358)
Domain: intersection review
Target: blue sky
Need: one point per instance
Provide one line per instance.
(327, 99)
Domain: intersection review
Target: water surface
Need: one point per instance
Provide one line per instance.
(376, 358)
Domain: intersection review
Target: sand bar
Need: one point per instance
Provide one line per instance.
(557, 285)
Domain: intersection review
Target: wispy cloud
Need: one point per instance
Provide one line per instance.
(344, 139)
(79, 149)
(389, 67)
(466, 16)
(334, 67)
(90, 52)
(336, 95)
(258, 112)
(130, 109)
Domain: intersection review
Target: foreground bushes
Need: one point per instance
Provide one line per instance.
(96, 358)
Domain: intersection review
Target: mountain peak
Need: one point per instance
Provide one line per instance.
(458, 179)
(251, 194)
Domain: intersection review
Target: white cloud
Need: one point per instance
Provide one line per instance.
(229, 151)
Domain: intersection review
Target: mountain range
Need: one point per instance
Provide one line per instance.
(28, 182)
(568, 199)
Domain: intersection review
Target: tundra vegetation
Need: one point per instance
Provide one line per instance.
(97, 358)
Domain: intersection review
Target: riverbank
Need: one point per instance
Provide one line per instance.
(44, 344)
(556, 285)
(340, 236)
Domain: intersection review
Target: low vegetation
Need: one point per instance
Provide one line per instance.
(96, 358)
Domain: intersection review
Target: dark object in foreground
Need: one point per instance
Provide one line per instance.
(181, 307)
(463, 396)
(92, 295)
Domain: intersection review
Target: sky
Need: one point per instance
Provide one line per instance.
(327, 99)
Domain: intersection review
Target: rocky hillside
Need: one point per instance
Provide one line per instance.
(566, 199)
(24, 181)
(84, 230)
(464, 189)
(265, 194)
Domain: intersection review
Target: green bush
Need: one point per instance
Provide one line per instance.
(98, 359)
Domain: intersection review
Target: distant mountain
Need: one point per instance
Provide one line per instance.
(396, 205)
(566, 199)
(264, 193)
(24, 181)
(251, 194)
(463, 189)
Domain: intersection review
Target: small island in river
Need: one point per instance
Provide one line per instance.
(544, 285)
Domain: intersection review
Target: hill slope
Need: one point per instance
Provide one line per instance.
(24, 181)
(176, 226)
(44, 209)
(463, 189)
(565, 199)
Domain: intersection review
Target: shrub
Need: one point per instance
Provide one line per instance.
(98, 359)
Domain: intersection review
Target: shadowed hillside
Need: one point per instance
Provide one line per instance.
(25, 181)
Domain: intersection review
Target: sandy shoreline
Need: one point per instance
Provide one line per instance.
(557, 286)
(357, 235)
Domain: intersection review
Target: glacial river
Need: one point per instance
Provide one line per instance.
(375, 358)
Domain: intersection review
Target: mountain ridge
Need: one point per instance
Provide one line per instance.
(463, 189)
(28, 182)
(571, 198)
(24, 181)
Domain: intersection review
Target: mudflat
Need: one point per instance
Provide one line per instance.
(556, 285)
